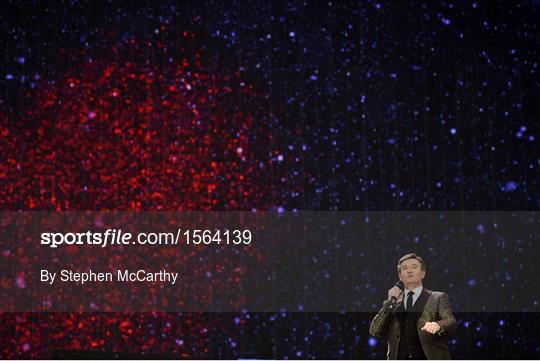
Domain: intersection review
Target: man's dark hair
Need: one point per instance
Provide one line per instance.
(411, 256)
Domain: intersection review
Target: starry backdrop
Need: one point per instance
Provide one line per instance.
(268, 106)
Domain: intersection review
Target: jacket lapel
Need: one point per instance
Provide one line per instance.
(421, 301)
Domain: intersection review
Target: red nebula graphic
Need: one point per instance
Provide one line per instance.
(140, 125)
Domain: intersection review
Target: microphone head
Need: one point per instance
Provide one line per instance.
(400, 285)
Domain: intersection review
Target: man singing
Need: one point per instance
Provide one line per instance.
(417, 323)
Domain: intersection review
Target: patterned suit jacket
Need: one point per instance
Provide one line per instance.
(435, 307)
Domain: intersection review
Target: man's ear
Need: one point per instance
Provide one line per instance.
(423, 274)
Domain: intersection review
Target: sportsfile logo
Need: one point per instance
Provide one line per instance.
(122, 238)
(109, 237)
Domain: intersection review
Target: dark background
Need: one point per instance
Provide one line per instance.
(378, 105)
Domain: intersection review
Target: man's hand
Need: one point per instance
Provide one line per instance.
(394, 292)
(431, 327)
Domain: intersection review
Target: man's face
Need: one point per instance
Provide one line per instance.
(411, 272)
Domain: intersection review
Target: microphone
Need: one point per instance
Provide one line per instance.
(393, 300)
